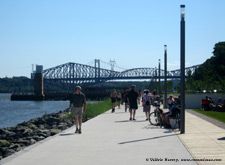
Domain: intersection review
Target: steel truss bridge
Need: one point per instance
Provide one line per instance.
(74, 73)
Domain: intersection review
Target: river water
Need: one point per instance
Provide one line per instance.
(15, 112)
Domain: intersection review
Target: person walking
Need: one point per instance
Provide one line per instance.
(146, 101)
(113, 96)
(139, 97)
(78, 104)
(119, 97)
(132, 100)
(126, 99)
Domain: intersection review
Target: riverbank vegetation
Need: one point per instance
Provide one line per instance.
(16, 84)
(23, 85)
(94, 110)
(97, 109)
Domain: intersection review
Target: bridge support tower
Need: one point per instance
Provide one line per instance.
(38, 81)
(97, 70)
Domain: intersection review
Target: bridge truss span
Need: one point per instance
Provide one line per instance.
(74, 73)
(77, 73)
(137, 73)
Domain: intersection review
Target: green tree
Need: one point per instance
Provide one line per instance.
(211, 74)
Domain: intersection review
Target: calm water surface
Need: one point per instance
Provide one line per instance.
(15, 112)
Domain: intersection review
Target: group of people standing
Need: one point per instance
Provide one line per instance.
(132, 98)
(129, 97)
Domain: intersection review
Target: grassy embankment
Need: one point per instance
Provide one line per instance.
(213, 114)
(96, 109)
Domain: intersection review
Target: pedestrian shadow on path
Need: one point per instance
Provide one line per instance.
(66, 134)
(222, 138)
(122, 121)
(168, 131)
(140, 121)
(140, 140)
(119, 112)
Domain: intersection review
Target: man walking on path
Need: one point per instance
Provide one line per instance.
(113, 96)
(132, 101)
(78, 100)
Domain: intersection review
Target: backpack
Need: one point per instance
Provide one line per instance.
(148, 101)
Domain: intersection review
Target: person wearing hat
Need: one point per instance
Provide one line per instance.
(170, 101)
(172, 111)
(146, 101)
(78, 104)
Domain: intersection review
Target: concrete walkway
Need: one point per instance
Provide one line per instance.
(204, 138)
(107, 139)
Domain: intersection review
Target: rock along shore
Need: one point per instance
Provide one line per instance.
(14, 139)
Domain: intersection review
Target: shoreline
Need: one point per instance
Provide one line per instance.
(14, 139)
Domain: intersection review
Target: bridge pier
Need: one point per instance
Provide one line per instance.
(39, 81)
(97, 71)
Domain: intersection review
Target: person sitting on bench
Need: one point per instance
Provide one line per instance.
(172, 112)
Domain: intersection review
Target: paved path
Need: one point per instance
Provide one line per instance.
(204, 138)
(107, 139)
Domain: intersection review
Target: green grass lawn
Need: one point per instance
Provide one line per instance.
(93, 110)
(213, 114)
(97, 109)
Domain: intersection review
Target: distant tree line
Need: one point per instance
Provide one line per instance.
(23, 85)
(15, 84)
(26, 85)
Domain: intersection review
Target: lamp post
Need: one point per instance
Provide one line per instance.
(182, 68)
(165, 76)
(156, 79)
(159, 77)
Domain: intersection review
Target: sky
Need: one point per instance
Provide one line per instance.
(131, 32)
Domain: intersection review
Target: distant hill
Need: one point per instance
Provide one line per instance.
(211, 74)
(23, 84)
(15, 84)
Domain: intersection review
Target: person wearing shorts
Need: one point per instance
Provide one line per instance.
(78, 106)
(126, 99)
(132, 101)
(113, 96)
(119, 98)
